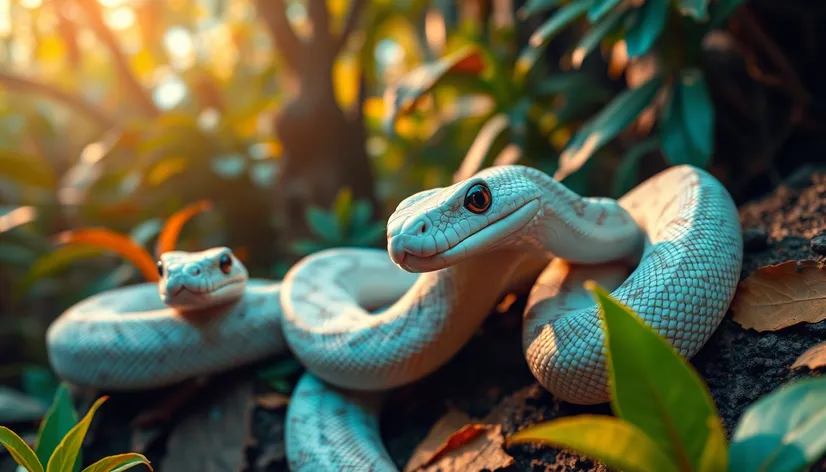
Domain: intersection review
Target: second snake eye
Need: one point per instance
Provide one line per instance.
(478, 199)
(160, 268)
(225, 263)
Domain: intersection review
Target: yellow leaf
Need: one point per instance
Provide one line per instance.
(165, 169)
(51, 49)
(143, 64)
(345, 80)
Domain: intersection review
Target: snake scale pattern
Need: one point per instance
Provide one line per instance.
(363, 323)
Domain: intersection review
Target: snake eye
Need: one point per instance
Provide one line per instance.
(225, 263)
(160, 268)
(478, 199)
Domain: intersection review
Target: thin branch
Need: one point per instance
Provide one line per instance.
(320, 17)
(350, 24)
(95, 18)
(103, 118)
(290, 45)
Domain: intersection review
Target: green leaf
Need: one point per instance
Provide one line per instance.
(19, 450)
(697, 9)
(676, 145)
(603, 127)
(647, 29)
(782, 431)
(601, 8)
(368, 236)
(617, 443)
(323, 224)
(31, 170)
(720, 10)
(16, 255)
(698, 111)
(561, 82)
(625, 177)
(533, 7)
(545, 33)
(658, 391)
(407, 91)
(53, 262)
(59, 420)
(39, 382)
(343, 209)
(69, 448)
(305, 246)
(595, 35)
(362, 211)
(118, 463)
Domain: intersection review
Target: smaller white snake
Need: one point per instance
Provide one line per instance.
(358, 322)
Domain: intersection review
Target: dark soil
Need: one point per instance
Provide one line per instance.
(489, 378)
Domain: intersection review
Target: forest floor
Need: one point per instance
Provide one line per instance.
(235, 422)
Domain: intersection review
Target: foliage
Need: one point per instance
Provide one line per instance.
(59, 441)
(346, 223)
(661, 40)
(665, 418)
(525, 113)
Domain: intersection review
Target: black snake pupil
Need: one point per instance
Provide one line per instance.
(225, 263)
(160, 268)
(478, 199)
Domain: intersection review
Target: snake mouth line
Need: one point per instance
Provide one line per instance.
(477, 242)
(202, 294)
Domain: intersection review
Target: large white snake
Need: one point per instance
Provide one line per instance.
(360, 324)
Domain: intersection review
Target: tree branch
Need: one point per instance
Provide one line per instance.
(349, 25)
(320, 17)
(288, 43)
(95, 18)
(103, 118)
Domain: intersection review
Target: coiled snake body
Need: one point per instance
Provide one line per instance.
(358, 323)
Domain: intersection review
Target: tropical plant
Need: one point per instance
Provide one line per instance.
(659, 44)
(665, 419)
(59, 441)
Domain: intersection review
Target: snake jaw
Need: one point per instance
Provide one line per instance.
(194, 281)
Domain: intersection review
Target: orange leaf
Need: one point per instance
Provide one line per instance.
(116, 242)
(454, 445)
(168, 238)
(778, 296)
(813, 358)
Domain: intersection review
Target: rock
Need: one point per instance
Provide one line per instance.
(818, 244)
(755, 239)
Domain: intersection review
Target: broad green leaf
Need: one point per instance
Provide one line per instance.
(305, 247)
(368, 236)
(31, 170)
(698, 111)
(782, 431)
(54, 262)
(561, 82)
(656, 389)
(59, 420)
(697, 9)
(592, 39)
(545, 33)
(676, 145)
(617, 443)
(323, 224)
(16, 255)
(362, 210)
(39, 382)
(533, 7)
(67, 451)
(606, 125)
(19, 450)
(119, 463)
(647, 29)
(601, 8)
(412, 86)
(720, 10)
(14, 216)
(343, 209)
(625, 177)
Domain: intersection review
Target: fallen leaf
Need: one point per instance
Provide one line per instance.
(215, 438)
(272, 400)
(813, 358)
(778, 296)
(473, 447)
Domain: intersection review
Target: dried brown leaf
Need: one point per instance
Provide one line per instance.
(778, 296)
(455, 445)
(213, 439)
(813, 358)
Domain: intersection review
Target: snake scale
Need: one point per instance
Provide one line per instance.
(362, 322)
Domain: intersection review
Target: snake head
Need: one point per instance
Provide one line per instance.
(195, 280)
(437, 228)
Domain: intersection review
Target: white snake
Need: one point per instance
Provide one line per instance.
(357, 322)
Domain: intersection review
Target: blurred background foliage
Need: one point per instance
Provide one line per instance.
(306, 122)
